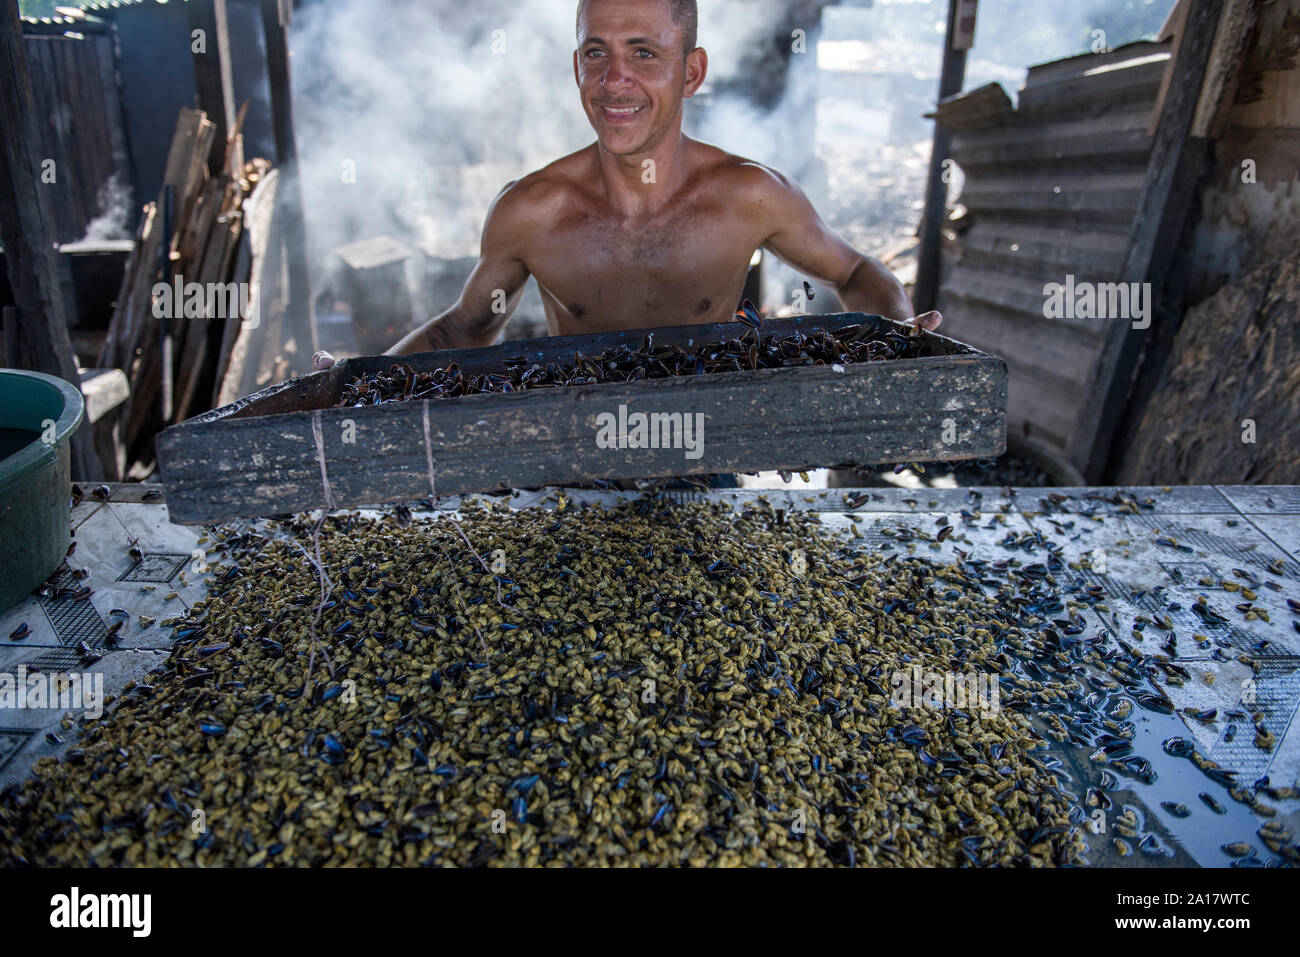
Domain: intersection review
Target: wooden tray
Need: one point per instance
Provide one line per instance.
(287, 449)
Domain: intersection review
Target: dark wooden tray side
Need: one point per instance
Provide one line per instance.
(288, 449)
(321, 390)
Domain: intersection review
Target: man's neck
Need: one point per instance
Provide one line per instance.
(642, 182)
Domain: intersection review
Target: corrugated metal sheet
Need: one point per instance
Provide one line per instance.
(46, 11)
(1051, 188)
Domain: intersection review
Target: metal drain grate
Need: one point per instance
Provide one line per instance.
(871, 537)
(156, 567)
(60, 660)
(685, 498)
(1110, 587)
(73, 621)
(1277, 690)
(1186, 622)
(1187, 573)
(1217, 544)
(1258, 500)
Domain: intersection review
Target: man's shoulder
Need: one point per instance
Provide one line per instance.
(738, 174)
(553, 183)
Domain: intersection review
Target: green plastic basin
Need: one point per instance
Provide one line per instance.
(35, 485)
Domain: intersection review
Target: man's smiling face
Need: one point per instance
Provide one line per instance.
(633, 72)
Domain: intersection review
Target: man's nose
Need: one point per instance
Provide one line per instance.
(616, 75)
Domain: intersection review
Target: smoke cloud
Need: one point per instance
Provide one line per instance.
(115, 213)
(411, 116)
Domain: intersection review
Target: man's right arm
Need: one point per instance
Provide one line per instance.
(492, 292)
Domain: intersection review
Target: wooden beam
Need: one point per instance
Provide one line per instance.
(961, 17)
(276, 16)
(1175, 168)
(29, 243)
(213, 76)
(1224, 69)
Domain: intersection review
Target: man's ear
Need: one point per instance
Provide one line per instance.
(697, 68)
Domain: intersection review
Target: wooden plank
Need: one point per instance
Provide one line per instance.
(104, 390)
(985, 107)
(321, 390)
(135, 330)
(197, 359)
(140, 417)
(1224, 69)
(275, 329)
(82, 139)
(262, 456)
(269, 464)
(1171, 32)
(29, 245)
(189, 190)
(133, 320)
(112, 106)
(114, 352)
(213, 77)
(952, 73)
(195, 232)
(50, 141)
(231, 331)
(1269, 84)
(1175, 168)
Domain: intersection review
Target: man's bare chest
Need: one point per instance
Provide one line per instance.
(693, 234)
(588, 262)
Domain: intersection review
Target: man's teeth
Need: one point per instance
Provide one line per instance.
(622, 111)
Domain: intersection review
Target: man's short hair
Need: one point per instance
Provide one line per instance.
(686, 18)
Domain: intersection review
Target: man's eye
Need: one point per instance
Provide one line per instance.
(645, 51)
(594, 53)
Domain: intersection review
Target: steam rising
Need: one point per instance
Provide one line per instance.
(115, 212)
(437, 107)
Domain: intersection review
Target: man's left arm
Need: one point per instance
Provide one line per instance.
(801, 238)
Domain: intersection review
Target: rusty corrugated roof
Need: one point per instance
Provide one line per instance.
(61, 12)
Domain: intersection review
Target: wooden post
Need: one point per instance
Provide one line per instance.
(213, 77)
(961, 29)
(29, 243)
(1178, 161)
(276, 16)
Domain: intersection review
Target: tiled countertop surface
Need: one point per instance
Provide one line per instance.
(1176, 538)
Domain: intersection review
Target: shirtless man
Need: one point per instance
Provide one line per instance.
(646, 227)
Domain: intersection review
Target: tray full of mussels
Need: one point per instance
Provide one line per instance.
(778, 394)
